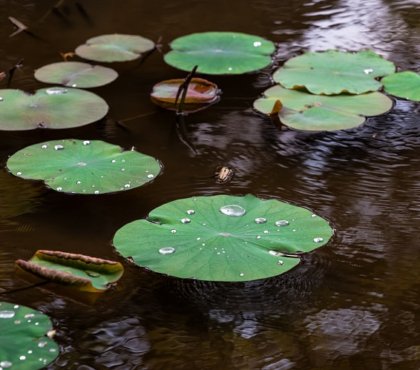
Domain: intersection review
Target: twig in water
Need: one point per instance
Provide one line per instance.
(36, 285)
(183, 88)
(11, 71)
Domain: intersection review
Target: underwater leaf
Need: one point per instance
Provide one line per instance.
(304, 111)
(83, 167)
(200, 93)
(222, 238)
(86, 273)
(403, 85)
(25, 337)
(114, 48)
(334, 72)
(53, 108)
(220, 53)
(76, 74)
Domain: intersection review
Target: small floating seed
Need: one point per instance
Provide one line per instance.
(318, 240)
(282, 223)
(167, 250)
(185, 220)
(260, 220)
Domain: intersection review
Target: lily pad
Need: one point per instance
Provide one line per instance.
(403, 85)
(223, 238)
(83, 167)
(76, 74)
(114, 48)
(334, 72)
(200, 94)
(26, 338)
(220, 53)
(54, 108)
(304, 111)
(86, 273)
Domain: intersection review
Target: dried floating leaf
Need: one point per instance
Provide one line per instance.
(18, 24)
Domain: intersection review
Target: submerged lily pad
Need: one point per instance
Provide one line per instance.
(220, 53)
(403, 85)
(200, 94)
(76, 74)
(223, 238)
(114, 48)
(86, 273)
(54, 108)
(304, 111)
(83, 167)
(25, 337)
(334, 72)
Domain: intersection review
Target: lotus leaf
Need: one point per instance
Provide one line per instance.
(83, 167)
(76, 74)
(86, 273)
(304, 111)
(25, 337)
(220, 53)
(334, 72)
(114, 48)
(54, 107)
(403, 85)
(200, 93)
(223, 238)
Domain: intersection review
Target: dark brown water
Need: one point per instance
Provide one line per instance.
(353, 304)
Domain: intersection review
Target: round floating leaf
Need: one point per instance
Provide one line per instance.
(304, 111)
(76, 74)
(200, 94)
(220, 53)
(114, 48)
(25, 337)
(222, 238)
(83, 167)
(86, 273)
(334, 72)
(403, 85)
(54, 107)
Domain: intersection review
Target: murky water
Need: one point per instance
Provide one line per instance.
(353, 304)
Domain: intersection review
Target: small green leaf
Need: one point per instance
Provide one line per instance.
(25, 337)
(220, 53)
(84, 167)
(76, 74)
(403, 85)
(334, 72)
(114, 48)
(309, 112)
(223, 238)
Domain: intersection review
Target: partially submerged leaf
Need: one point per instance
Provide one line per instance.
(86, 273)
(334, 72)
(76, 74)
(200, 93)
(114, 48)
(403, 85)
(223, 238)
(25, 343)
(304, 111)
(53, 107)
(83, 166)
(220, 53)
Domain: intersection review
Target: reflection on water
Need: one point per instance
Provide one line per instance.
(350, 305)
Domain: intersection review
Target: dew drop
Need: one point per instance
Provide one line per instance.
(56, 91)
(58, 147)
(19, 173)
(96, 191)
(275, 253)
(86, 142)
(113, 161)
(1, 99)
(173, 231)
(22, 358)
(241, 274)
(282, 223)
(42, 344)
(185, 220)
(44, 146)
(6, 314)
(122, 169)
(150, 176)
(313, 215)
(17, 322)
(368, 71)
(258, 236)
(318, 240)
(190, 212)
(30, 351)
(280, 262)
(16, 306)
(167, 250)
(127, 186)
(5, 364)
(230, 69)
(232, 210)
(266, 231)
(260, 220)
(74, 85)
(257, 43)
(59, 188)
(82, 164)
(78, 182)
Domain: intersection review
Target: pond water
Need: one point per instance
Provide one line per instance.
(352, 304)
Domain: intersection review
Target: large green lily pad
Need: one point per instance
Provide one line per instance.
(304, 111)
(220, 53)
(403, 85)
(89, 274)
(223, 238)
(53, 107)
(114, 48)
(334, 72)
(76, 74)
(25, 337)
(83, 166)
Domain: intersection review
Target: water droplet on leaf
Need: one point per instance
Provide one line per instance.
(45, 146)
(185, 220)
(56, 91)
(257, 43)
(86, 142)
(58, 147)
(260, 220)
(282, 223)
(190, 212)
(6, 314)
(167, 250)
(318, 240)
(233, 210)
